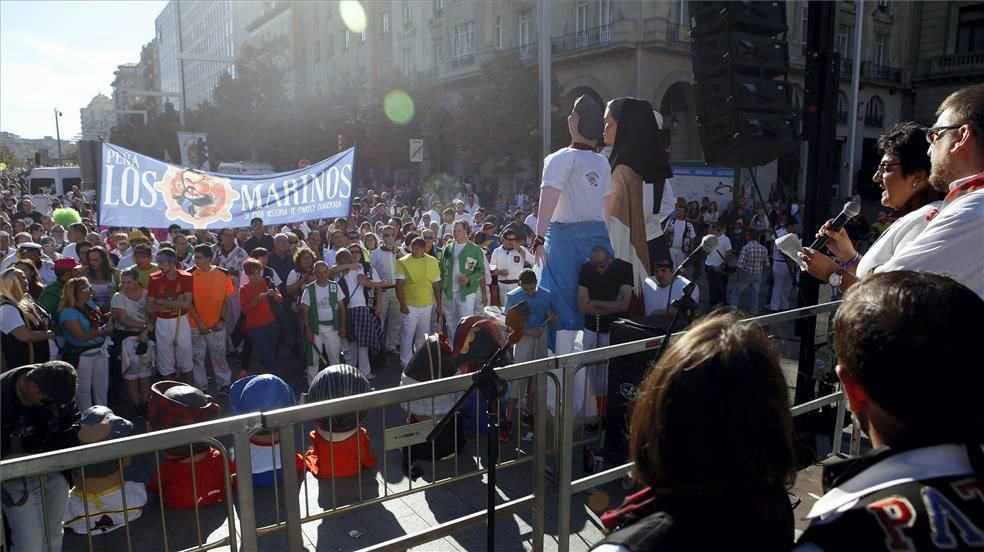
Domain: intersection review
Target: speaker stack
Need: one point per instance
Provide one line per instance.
(745, 111)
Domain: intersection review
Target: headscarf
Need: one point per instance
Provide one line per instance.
(639, 143)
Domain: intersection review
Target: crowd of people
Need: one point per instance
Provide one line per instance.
(91, 317)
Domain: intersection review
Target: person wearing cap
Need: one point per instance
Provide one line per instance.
(136, 237)
(38, 414)
(262, 393)
(97, 503)
(175, 404)
(661, 289)
(33, 253)
(65, 269)
(170, 295)
(13, 257)
(574, 212)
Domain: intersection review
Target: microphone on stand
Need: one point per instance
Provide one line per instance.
(850, 210)
(707, 245)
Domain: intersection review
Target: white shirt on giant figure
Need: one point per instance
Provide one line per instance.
(585, 181)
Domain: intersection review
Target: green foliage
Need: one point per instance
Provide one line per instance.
(7, 156)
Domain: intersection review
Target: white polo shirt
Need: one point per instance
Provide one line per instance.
(585, 181)
(950, 244)
(512, 260)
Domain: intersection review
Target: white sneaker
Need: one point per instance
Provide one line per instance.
(370, 376)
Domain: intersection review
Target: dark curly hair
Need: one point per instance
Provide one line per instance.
(907, 142)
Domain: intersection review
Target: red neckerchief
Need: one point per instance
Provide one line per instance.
(635, 507)
(580, 146)
(971, 185)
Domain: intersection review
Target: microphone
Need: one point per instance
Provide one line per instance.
(849, 211)
(707, 245)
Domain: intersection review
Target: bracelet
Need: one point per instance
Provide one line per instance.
(854, 259)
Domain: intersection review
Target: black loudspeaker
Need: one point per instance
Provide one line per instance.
(745, 117)
(625, 374)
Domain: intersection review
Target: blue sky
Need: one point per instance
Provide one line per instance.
(61, 54)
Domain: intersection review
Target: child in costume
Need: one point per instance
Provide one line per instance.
(261, 393)
(341, 446)
(105, 491)
(175, 404)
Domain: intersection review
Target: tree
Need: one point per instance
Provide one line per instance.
(498, 120)
(7, 156)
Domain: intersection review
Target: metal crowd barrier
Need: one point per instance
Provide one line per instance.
(287, 423)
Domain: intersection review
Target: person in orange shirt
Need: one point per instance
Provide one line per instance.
(211, 288)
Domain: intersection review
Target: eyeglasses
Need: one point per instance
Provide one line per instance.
(883, 167)
(85, 289)
(933, 134)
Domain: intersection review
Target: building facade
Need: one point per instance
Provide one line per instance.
(126, 79)
(98, 118)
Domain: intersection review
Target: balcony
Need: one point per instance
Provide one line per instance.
(527, 52)
(884, 73)
(955, 65)
(463, 60)
(677, 33)
(847, 67)
(588, 38)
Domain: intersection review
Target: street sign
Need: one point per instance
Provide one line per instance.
(416, 150)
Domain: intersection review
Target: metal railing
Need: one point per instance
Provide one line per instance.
(561, 370)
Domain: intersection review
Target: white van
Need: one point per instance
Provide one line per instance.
(245, 167)
(55, 180)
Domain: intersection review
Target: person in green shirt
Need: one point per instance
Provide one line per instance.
(418, 288)
(462, 274)
(65, 269)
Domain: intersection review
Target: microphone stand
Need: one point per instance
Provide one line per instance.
(684, 304)
(491, 387)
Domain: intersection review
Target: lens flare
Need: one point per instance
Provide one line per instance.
(398, 106)
(353, 15)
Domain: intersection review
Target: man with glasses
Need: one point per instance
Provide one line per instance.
(383, 260)
(951, 241)
(604, 290)
(508, 261)
(39, 414)
(170, 295)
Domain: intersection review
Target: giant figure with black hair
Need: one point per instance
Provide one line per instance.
(574, 211)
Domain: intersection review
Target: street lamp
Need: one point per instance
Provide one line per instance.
(58, 134)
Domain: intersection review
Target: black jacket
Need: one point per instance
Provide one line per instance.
(34, 429)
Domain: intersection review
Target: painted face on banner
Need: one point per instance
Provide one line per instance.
(196, 198)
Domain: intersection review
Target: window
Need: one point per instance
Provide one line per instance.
(317, 51)
(526, 48)
(875, 113)
(384, 22)
(604, 21)
(498, 32)
(844, 40)
(438, 7)
(347, 40)
(842, 103)
(407, 62)
(882, 5)
(880, 41)
(463, 40)
(438, 50)
(407, 13)
(362, 36)
(804, 23)
(970, 29)
(581, 24)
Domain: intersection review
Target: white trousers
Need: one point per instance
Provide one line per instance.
(782, 285)
(390, 319)
(597, 373)
(213, 343)
(93, 375)
(505, 289)
(415, 327)
(328, 342)
(458, 309)
(174, 345)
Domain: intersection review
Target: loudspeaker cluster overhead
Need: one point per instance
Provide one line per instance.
(745, 110)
